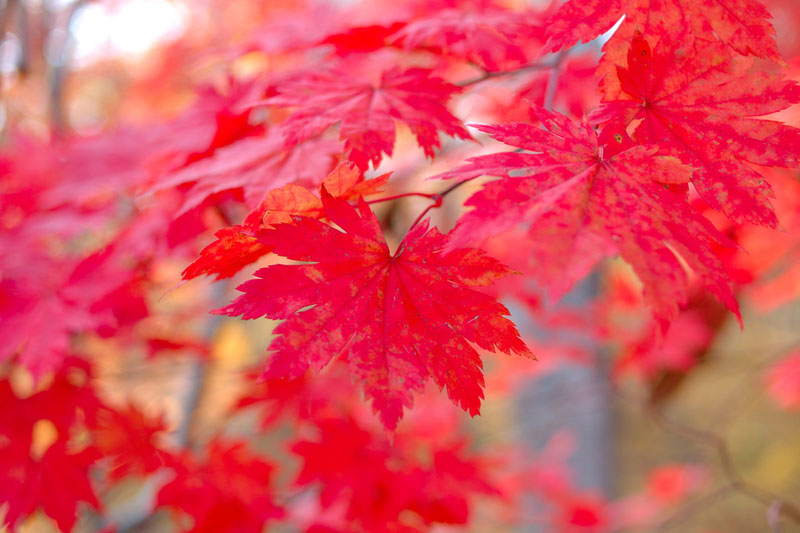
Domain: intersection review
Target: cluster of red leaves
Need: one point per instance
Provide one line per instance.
(616, 185)
(35, 471)
(664, 166)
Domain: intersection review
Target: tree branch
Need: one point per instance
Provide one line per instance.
(731, 473)
(685, 512)
(552, 81)
(488, 75)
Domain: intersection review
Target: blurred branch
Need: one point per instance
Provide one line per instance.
(6, 11)
(488, 75)
(23, 33)
(198, 371)
(735, 479)
(10, 10)
(59, 57)
(552, 81)
(196, 375)
(734, 404)
(687, 511)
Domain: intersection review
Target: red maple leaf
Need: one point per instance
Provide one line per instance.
(42, 473)
(233, 249)
(57, 482)
(44, 301)
(587, 197)
(227, 492)
(696, 103)
(377, 486)
(367, 110)
(485, 33)
(129, 439)
(297, 400)
(398, 318)
(741, 24)
(238, 246)
(253, 165)
(359, 39)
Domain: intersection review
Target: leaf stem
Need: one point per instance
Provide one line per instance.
(437, 200)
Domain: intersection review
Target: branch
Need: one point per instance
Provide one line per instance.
(430, 196)
(732, 474)
(685, 512)
(488, 75)
(59, 69)
(198, 371)
(552, 81)
(143, 506)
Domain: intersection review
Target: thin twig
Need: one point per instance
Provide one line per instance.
(429, 196)
(24, 34)
(684, 513)
(735, 479)
(197, 376)
(552, 81)
(59, 70)
(488, 75)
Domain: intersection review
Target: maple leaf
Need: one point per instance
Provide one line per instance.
(586, 197)
(361, 39)
(381, 486)
(367, 110)
(47, 472)
(41, 307)
(254, 165)
(233, 249)
(231, 118)
(57, 482)
(697, 104)
(741, 24)
(129, 438)
(484, 33)
(229, 491)
(238, 246)
(331, 394)
(399, 318)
